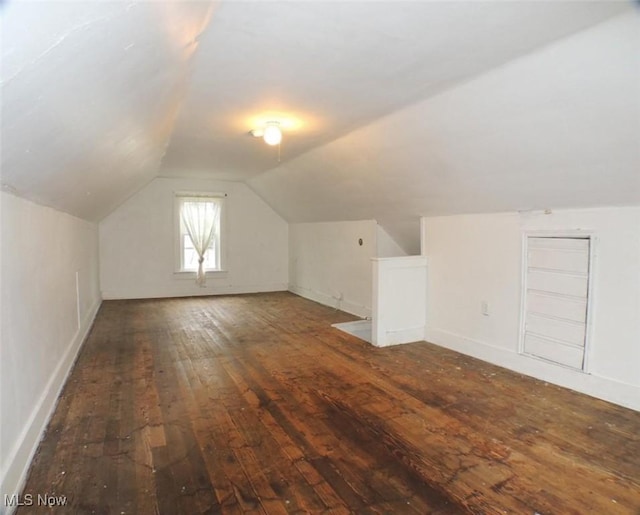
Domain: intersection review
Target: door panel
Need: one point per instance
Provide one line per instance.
(557, 282)
(560, 260)
(564, 284)
(554, 351)
(564, 330)
(567, 308)
(578, 244)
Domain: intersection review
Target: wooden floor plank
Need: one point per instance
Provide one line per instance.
(255, 404)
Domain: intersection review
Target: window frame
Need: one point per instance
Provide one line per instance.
(178, 198)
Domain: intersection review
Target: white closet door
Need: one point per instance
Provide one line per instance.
(557, 282)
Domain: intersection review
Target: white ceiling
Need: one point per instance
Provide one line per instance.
(90, 93)
(397, 109)
(558, 128)
(336, 66)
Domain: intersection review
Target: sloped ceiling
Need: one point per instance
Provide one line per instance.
(396, 109)
(90, 93)
(559, 128)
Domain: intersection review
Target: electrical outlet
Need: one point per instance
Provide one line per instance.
(484, 308)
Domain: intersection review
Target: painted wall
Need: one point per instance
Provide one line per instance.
(50, 295)
(386, 246)
(475, 258)
(399, 300)
(137, 244)
(327, 264)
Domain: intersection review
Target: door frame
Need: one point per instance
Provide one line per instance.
(560, 233)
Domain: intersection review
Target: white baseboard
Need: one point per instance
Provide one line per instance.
(623, 394)
(14, 475)
(415, 334)
(327, 300)
(211, 289)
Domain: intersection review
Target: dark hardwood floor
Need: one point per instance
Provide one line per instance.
(254, 404)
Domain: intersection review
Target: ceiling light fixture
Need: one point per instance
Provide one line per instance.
(271, 133)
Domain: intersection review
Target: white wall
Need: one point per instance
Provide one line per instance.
(137, 244)
(386, 246)
(475, 258)
(45, 317)
(327, 264)
(399, 300)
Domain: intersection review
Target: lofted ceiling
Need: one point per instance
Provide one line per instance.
(392, 110)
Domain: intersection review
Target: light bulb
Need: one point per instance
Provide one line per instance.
(272, 134)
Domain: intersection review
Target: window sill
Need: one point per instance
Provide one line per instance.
(188, 274)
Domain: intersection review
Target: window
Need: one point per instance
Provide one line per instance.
(189, 255)
(202, 215)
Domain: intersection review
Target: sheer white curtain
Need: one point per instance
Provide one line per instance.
(201, 220)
